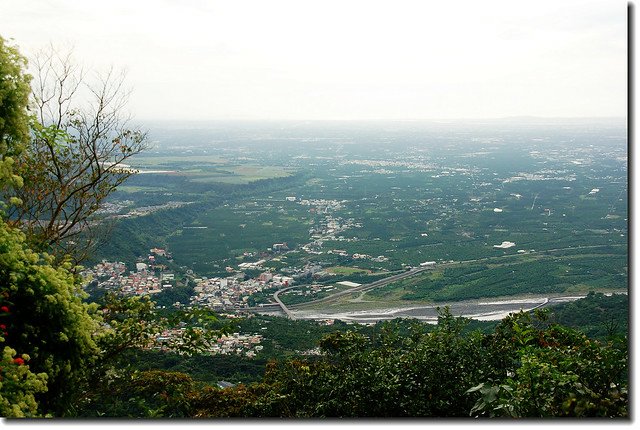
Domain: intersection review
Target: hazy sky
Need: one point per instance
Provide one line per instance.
(346, 59)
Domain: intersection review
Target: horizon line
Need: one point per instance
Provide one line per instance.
(451, 119)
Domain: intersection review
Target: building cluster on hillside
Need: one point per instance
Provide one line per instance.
(154, 260)
(106, 274)
(238, 343)
(140, 284)
(233, 291)
(106, 269)
(232, 344)
(219, 293)
(113, 276)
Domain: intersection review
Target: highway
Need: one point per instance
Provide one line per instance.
(370, 286)
(360, 288)
(403, 275)
(284, 308)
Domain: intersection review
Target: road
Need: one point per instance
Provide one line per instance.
(284, 308)
(410, 273)
(366, 287)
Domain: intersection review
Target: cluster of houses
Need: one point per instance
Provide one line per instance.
(232, 344)
(237, 343)
(106, 269)
(141, 283)
(357, 256)
(113, 276)
(234, 291)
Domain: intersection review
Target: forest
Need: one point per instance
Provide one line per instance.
(523, 366)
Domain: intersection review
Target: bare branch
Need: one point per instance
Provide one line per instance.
(77, 151)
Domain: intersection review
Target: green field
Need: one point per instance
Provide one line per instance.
(238, 175)
(541, 275)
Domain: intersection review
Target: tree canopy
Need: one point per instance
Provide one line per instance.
(51, 340)
(79, 137)
(14, 96)
(14, 118)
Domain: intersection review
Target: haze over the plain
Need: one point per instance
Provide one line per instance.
(288, 59)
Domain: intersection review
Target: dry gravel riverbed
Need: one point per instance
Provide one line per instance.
(485, 309)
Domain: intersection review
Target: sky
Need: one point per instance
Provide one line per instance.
(345, 59)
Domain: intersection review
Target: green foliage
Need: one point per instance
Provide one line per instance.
(14, 97)
(147, 394)
(169, 296)
(18, 385)
(46, 319)
(14, 119)
(597, 315)
(67, 343)
(283, 337)
(240, 401)
(203, 368)
(526, 367)
(557, 372)
(134, 322)
(423, 374)
(131, 323)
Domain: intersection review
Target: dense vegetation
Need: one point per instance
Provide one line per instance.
(396, 368)
(598, 316)
(475, 281)
(525, 367)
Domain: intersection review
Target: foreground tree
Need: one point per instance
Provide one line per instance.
(525, 369)
(14, 124)
(53, 344)
(555, 372)
(76, 155)
(46, 329)
(45, 320)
